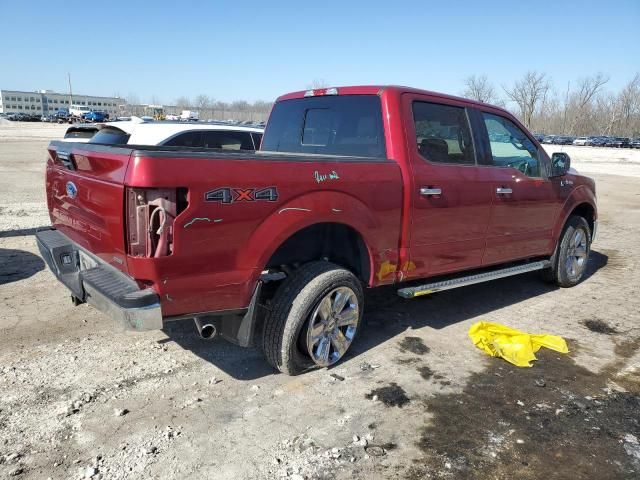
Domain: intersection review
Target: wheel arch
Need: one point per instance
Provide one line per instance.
(338, 242)
(581, 202)
(342, 217)
(586, 211)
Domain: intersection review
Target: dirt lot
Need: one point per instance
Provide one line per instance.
(414, 400)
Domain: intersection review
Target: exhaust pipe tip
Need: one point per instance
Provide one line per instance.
(207, 331)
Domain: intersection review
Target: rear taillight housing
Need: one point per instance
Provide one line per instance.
(150, 213)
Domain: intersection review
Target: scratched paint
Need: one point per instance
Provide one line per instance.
(295, 209)
(201, 219)
(321, 177)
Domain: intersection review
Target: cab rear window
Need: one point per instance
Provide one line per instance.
(347, 125)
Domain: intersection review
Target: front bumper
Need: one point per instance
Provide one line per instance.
(91, 280)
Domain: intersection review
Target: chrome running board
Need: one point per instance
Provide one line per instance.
(428, 288)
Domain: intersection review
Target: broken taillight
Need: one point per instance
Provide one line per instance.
(150, 213)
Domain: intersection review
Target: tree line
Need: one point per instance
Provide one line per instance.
(207, 107)
(586, 107)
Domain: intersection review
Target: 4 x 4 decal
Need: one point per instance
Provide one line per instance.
(228, 195)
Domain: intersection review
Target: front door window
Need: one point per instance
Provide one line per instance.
(510, 147)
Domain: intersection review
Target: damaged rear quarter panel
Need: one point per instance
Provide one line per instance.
(221, 248)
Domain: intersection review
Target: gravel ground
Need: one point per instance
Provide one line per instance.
(414, 400)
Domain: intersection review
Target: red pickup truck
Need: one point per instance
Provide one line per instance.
(352, 187)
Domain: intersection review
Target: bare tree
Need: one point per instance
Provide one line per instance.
(240, 105)
(480, 89)
(589, 87)
(580, 107)
(183, 103)
(628, 103)
(317, 83)
(528, 94)
(203, 102)
(580, 103)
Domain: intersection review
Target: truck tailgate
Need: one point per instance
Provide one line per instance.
(85, 196)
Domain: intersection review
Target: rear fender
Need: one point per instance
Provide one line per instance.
(314, 208)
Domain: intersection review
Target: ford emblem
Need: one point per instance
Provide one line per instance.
(72, 190)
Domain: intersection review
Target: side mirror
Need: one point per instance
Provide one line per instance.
(560, 164)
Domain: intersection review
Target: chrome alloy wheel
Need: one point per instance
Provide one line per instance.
(576, 254)
(332, 326)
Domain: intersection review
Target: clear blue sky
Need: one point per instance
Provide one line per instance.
(252, 50)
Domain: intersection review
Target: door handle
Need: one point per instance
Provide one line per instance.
(503, 191)
(430, 191)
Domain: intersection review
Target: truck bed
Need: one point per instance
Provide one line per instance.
(239, 207)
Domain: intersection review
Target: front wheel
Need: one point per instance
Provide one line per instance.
(569, 262)
(313, 319)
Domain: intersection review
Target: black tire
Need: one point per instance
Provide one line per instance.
(558, 273)
(291, 307)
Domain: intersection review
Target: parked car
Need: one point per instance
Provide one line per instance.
(594, 141)
(581, 141)
(548, 139)
(562, 140)
(62, 115)
(23, 117)
(77, 112)
(180, 134)
(189, 116)
(539, 136)
(635, 143)
(275, 246)
(95, 116)
(84, 132)
(172, 117)
(617, 142)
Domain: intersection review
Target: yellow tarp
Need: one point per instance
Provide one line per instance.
(514, 346)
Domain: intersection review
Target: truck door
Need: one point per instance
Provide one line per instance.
(450, 201)
(525, 201)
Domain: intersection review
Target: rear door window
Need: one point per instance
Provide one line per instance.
(191, 139)
(443, 134)
(346, 125)
(227, 140)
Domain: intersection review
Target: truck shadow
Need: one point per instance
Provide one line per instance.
(386, 316)
(17, 265)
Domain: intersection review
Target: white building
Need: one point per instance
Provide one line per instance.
(46, 102)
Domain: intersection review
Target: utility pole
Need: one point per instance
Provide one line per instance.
(70, 93)
(566, 104)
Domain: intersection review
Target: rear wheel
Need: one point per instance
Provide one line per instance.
(313, 319)
(569, 262)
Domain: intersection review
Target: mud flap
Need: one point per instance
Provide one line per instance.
(241, 330)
